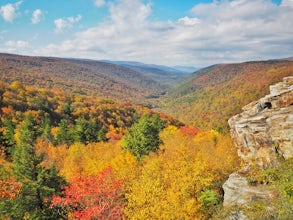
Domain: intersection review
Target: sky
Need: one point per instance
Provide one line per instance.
(195, 33)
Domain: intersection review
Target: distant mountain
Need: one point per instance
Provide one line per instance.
(187, 69)
(209, 96)
(289, 58)
(163, 74)
(81, 76)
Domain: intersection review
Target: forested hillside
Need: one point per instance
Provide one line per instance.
(214, 94)
(72, 156)
(168, 76)
(68, 151)
(83, 77)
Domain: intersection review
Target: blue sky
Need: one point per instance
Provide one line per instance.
(174, 32)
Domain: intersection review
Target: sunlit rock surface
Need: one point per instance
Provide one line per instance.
(263, 132)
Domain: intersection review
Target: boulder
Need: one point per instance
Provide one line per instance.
(239, 192)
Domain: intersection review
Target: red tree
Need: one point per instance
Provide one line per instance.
(190, 131)
(92, 197)
(9, 188)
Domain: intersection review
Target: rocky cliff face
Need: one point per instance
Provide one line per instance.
(264, 130)
(262, 133)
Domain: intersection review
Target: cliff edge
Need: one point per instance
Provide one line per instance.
(264, 130)
(263, 134)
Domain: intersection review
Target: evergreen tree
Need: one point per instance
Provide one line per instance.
(46, 129)
(143, 137)
(7, 135)
(92, 131)
(64, 135)
(102, 135)
(39, 184)
(67, 108)
(81, 130)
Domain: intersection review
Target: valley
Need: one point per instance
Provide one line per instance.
(103, 79)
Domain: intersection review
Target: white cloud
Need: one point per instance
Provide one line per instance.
(99, 3)
(188, 21)
(287, 3)
(17, 47)
(37, 16)
(222, 31)
(66, 23)
(9, 12)
(17, 44)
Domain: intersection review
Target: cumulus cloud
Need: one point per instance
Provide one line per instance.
(99, 3)
(9, 11)
(66, 23)
(37, 16)
(221, 31)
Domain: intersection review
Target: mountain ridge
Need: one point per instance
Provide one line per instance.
(81, 76)
(165, 74)
(211, 95)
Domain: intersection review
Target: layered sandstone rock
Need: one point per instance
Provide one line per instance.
(262, 133)
(264, 130)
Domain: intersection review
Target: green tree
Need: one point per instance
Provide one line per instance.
(92, 131)
(46, 129)
(143, 137)
(64, 135)
(39, 184)
(80, 131)
(102, 135)
(86, 131)
(7, 135)
(67, 108)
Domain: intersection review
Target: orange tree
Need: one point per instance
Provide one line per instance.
(92, 197)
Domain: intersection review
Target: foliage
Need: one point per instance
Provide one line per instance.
(81, 77)
(38, 184)
(282, 177)
(210, 198)
(64, 118)
(9, 188)
(7, 137)
(52, 132)
(184, 177)
(280, 206)
(143, 137)
(92, 197)
(217, 93)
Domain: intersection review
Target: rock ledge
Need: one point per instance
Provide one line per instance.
(263, 132)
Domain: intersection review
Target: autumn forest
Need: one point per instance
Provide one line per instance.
(80, 150)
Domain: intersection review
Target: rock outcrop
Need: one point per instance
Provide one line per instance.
(264, 130)
(239, 192)
(262, 133)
